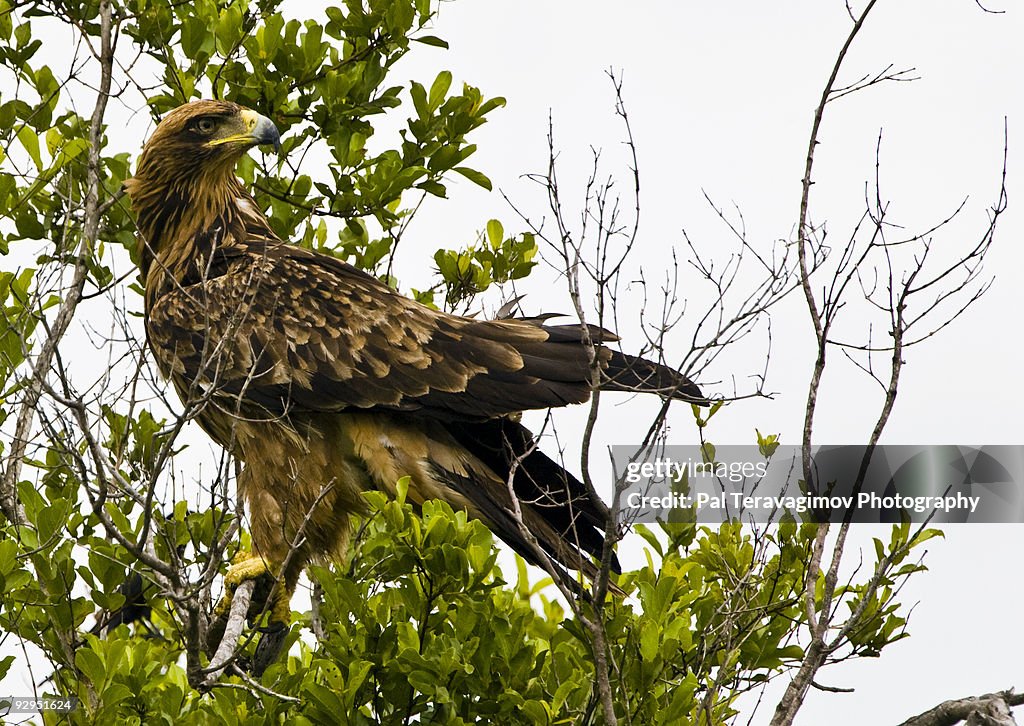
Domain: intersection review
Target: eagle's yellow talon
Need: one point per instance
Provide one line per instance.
(248, 566)
(245, 566)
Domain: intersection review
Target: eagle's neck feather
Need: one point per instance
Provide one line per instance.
(181, 220)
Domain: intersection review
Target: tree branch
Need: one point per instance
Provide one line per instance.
(12, 509)
(992, 709)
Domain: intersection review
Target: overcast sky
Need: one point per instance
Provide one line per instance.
(721, 97)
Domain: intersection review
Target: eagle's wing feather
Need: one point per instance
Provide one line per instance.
(298, 332)
(543, 487)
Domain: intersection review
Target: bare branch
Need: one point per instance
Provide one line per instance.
(90, 233)
(992, 709)
(227, 650)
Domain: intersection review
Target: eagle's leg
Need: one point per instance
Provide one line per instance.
(251, 566)
(300, 485)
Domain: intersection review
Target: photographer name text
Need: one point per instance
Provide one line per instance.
(804, 503)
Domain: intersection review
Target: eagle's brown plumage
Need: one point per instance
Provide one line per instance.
(326, 382)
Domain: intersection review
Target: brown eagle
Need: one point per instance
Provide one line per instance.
(327, 383)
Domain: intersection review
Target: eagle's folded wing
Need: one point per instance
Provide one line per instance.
(292, 331)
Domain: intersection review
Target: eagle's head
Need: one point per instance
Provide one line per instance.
(204, 136)
(185, 176)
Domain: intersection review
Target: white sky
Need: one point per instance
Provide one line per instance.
(720, 97)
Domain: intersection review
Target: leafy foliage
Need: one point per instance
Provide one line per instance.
(420, 624)
(469, 272)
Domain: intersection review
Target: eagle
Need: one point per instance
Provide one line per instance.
(325, 382)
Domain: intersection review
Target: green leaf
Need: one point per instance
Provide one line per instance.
(419, 100)
(649, 641)
(433, 187)
(431, 40)
(495, 233)
(439, 89)
(926, 535)
(91, 665)
(53, 141)
(474, 176)
(30, 142)
(5, 665)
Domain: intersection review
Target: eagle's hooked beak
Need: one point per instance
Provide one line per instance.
(259, 130)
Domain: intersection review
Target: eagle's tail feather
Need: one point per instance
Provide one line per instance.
(555, 505)
(631, 373)
(622, 372)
